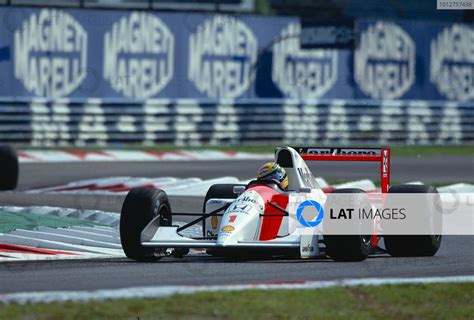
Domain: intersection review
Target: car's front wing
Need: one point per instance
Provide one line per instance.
(168, 237)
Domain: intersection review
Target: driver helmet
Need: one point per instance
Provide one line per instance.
(273, 171)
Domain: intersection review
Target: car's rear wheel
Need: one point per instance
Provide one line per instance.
(354, 247)
(8, 168)
(140, 207)
(416, 245)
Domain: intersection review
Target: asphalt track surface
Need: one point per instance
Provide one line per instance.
(433, 169)
(456, 256)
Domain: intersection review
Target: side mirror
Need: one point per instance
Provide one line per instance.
(238, 190)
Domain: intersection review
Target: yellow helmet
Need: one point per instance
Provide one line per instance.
(273, 171)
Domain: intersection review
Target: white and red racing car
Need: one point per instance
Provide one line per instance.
(254, 219)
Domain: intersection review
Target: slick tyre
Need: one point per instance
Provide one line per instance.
(8, 168)
(416, 245)
(354, 247)
(140, 207)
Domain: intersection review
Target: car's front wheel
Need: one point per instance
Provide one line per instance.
(350, 247)
(140, 207)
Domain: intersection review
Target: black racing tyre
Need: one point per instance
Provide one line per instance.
(8, 168)
(413, 245)
(221, 191)
(348, 247)
(140, 206)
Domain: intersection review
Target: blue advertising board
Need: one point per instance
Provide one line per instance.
(137, 55)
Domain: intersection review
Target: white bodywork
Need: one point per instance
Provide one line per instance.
(245, 214)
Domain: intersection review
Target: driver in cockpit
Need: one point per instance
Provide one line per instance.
(273, 171)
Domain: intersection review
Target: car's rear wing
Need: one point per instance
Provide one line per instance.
(381, 155)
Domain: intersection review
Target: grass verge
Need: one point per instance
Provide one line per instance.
(23, 220)
(434, 301)
(465, 150)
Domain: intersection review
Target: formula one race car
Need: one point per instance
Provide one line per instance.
(253, 219)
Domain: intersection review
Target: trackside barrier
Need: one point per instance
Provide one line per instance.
(42, 122)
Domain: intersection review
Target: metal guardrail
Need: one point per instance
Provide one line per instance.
(183, 122)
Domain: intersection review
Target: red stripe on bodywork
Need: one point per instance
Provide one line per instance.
(271, 224)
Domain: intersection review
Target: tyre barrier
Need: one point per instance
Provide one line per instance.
(64, 122)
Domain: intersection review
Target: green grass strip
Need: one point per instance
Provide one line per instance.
(15, 220)
(433, 301)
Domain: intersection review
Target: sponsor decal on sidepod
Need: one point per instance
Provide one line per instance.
(227, 228)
